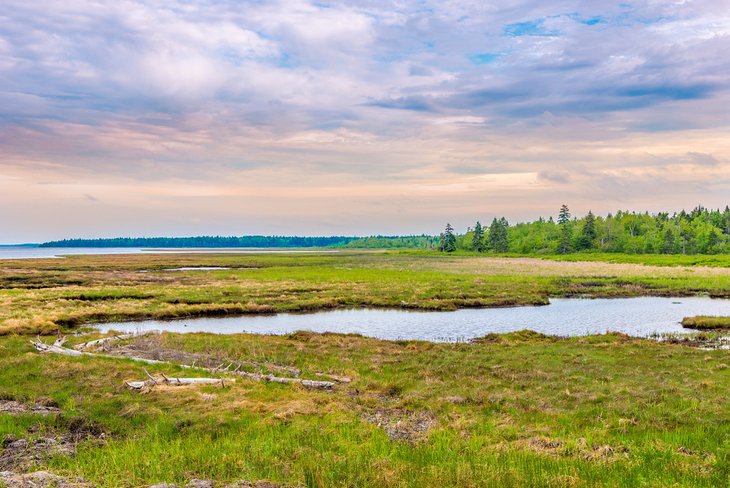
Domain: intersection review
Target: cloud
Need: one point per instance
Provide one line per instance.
(417, 104)
(702, 159)
(554, 176)
(377, 96)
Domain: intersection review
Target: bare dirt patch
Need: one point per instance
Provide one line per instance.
(39, 479)
(14, 407)
(583, 450)
(21, 454)
(708, 342)
(195, 483)
(402, 425)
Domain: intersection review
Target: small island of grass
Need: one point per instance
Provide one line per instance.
(705, 322)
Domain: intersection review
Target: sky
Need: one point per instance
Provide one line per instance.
(190, 117)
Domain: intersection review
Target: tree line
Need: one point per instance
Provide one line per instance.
(699, 231)
(205, 241)
(371, 242)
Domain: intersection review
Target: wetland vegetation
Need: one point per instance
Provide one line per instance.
(518, 409)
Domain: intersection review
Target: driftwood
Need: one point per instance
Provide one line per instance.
(57, 348)
(336, 378)
(326, 385)
(164, 380)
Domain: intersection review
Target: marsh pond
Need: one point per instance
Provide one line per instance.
(641, 317)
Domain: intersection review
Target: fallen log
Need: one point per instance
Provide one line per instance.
(57, 347)
(327, 385)
(164, 380)
(335, 378)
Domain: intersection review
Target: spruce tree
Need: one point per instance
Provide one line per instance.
(669, 241)
(447, 240)
(478, 238)
(493, 235)
(564, 215)
(588, 232)
(498, 239)
(566, 231)
(503, 235)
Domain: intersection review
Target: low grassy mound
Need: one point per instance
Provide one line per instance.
(705, 322)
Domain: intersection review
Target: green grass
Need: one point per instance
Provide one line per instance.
(531, 411)
(713, 260)
(704, 322)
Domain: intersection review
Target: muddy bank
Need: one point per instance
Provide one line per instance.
(42, 407)
(44, 479)
(20, 454)
(718, 341)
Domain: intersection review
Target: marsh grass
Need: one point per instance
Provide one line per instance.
(512, 410)
(704, 322)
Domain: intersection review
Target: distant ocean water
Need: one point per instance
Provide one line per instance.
(29, 252)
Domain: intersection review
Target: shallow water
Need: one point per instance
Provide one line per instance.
(564, 317)
(27, 252)
(20, 252)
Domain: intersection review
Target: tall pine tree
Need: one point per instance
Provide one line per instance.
(588, 232)
(478, 238)
(447, 240)
(566, 230)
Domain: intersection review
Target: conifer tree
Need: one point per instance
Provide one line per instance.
(588, 232)
(498, 238)
(564, 215)
(566, 231)
(478, 238)
(447, 240)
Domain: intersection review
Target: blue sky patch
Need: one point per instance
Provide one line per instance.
(484, 58)
(530, 28)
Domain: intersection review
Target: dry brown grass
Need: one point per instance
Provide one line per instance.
(493, 266)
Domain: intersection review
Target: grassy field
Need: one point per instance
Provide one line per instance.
(509, 410)
(515, 410)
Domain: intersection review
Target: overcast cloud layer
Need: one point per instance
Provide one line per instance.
(295, 117)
